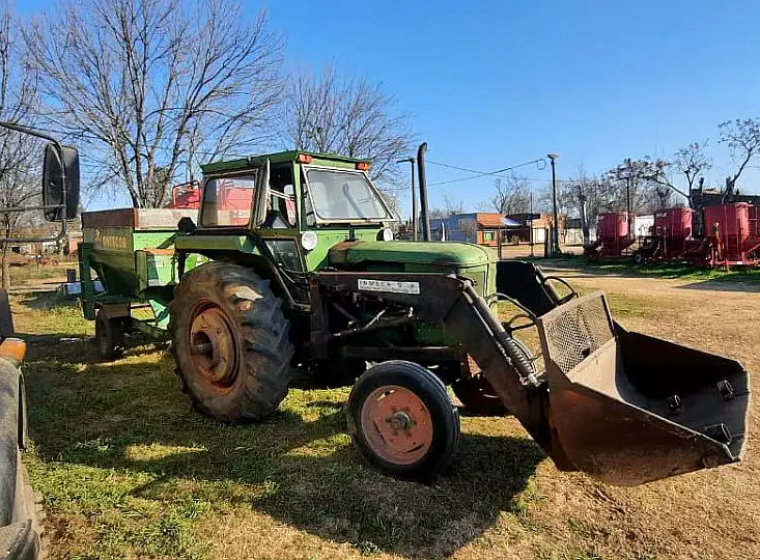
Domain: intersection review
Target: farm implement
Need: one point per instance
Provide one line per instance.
(301, 269)
(731, 237)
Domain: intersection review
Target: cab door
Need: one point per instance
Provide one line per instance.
(277, 227)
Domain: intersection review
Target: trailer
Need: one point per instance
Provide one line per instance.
(129, 254)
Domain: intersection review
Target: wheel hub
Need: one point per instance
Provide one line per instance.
(397, 425)
(400, 421)
(212, 346)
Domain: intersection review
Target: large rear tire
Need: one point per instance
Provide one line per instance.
(476, 392)
(402, 420)
(230, 342)
(478, 396)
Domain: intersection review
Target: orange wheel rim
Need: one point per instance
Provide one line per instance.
(212, 347)
(397, 425)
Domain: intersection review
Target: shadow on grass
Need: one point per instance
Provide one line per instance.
(740, 279)
(47, 299)
(81, 348)
(298, 467)
(738, 282)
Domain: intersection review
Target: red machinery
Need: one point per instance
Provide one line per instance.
(732, 230)
(187, 195)
(233, 199)
(732, 237)
(614, 236)
(671, 238)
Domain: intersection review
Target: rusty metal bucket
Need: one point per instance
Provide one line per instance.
(629, 408)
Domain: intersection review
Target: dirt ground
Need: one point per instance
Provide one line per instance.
(128, 471)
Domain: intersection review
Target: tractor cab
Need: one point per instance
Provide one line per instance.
(306, 212)
(311, 199)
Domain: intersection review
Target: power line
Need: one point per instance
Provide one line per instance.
(540, 164)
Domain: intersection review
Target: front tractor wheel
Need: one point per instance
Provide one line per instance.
(230, 342)
(402, 421)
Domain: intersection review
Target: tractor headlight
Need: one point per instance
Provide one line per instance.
(385, 234)
(308, 240)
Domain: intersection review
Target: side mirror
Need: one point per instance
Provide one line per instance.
(57, 165)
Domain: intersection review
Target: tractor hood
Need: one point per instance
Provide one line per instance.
(442, 254)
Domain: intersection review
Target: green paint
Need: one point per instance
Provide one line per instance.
(251, 162)
(127, 262)
(442, 255)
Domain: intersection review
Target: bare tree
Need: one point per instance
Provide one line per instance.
(690, 162)
(511, 195)
(638, 185)
(589, 195)
(149, 84)
(351, 117)
(18, 152)
(743, 139)
(450, 208)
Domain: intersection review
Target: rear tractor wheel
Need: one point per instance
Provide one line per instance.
(476, 392)
(402, 421)
(230, 342)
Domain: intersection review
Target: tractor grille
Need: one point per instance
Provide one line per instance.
(576, 330)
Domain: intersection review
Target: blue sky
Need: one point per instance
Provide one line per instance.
(493, 83)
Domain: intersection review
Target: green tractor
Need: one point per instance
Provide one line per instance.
(291, 262)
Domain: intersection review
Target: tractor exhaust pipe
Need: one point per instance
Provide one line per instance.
(423, 192)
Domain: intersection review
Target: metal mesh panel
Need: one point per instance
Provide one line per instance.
(576, 330)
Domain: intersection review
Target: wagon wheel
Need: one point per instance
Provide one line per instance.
(109, 335)
(402, 420)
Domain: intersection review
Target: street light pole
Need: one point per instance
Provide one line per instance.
(628, 177)
(412, 161)
(531, 222)
(555, 230)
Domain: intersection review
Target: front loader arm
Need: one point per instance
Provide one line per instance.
(595, 408)
(453, 302)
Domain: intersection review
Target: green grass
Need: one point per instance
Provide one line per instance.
(22, 274)
(128, 469)
(665, 271)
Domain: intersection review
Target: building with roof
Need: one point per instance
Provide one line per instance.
(481, 228)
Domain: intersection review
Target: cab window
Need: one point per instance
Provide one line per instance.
(228, 201)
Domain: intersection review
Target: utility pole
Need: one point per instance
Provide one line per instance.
(415, 225)
(628, 177)
(555, 250)
(530, 222)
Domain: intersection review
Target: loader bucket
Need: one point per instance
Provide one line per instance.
(629, 408)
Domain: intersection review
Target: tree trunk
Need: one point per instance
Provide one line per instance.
(6, 267)
(583, 211)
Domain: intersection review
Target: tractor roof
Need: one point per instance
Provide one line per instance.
(279, 157)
